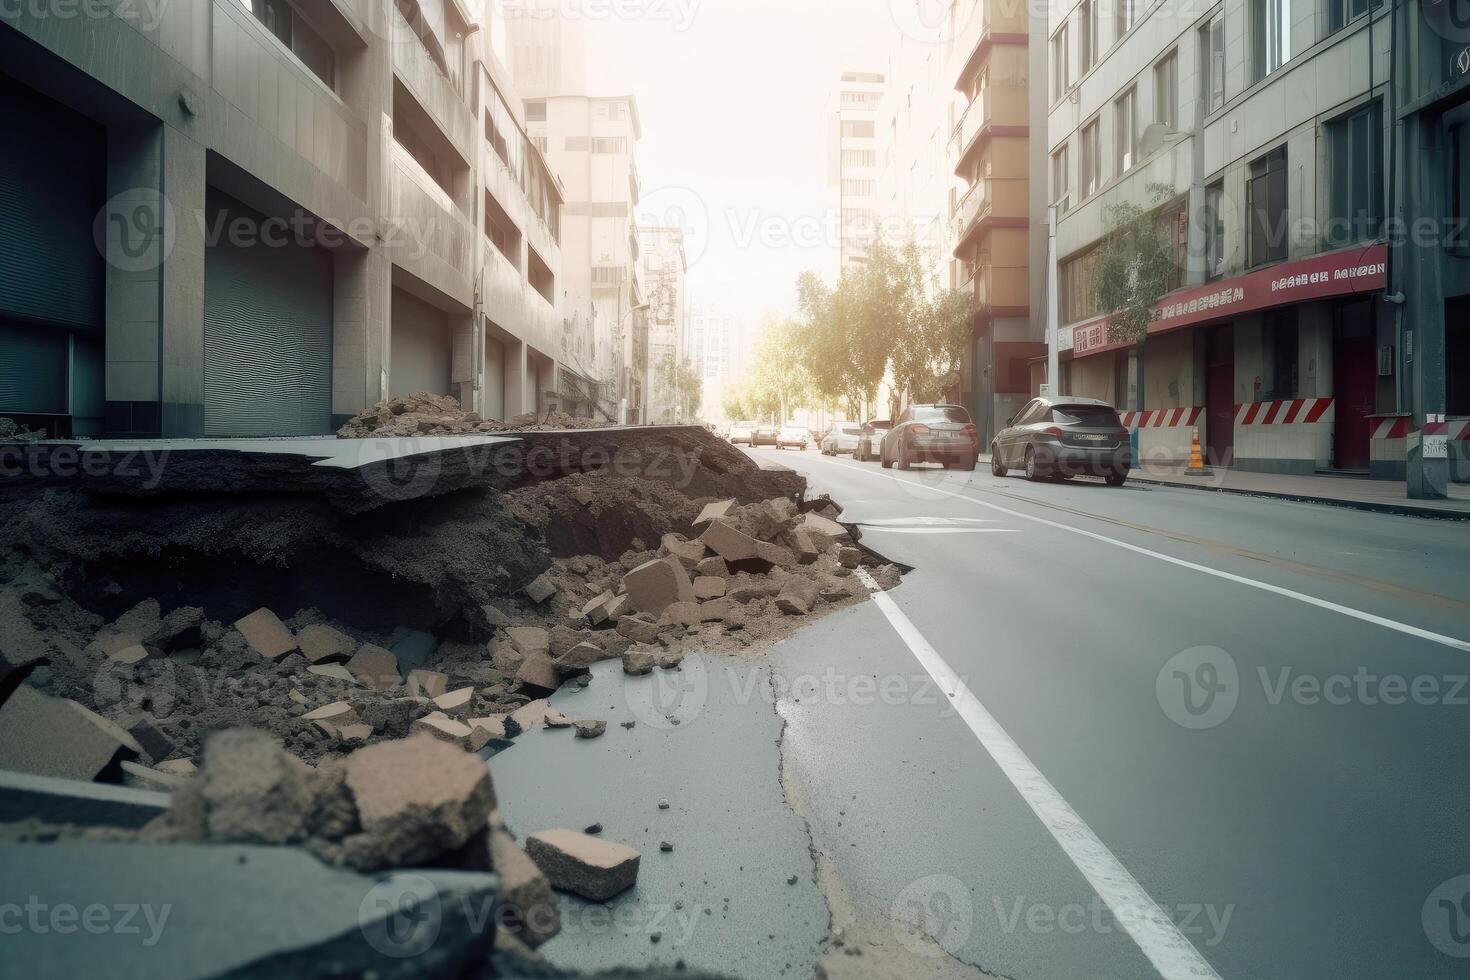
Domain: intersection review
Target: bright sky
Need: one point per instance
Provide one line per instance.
(731, 94)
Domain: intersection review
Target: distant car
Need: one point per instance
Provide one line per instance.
(931, 434)
(741, 432)
(793, 435)
(843, 437)
(872, 435)
(1055, 437)
(765, 435)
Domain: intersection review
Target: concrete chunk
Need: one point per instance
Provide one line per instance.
(804, 547)
(334, 671)
(446, 729)
(595, 610)
(538, 674)
(714, 511)
(653, 585)
(253, 791)
(640, 661)
(535, 913)
(416, 799)
(529, 640)
(827, 529)
(689, 553)
(581, 658)
(730, 543)
(322, 644)
(541, 588)
(180, 630)
(266, 634)
(590, 729)
(375, 667)
(528, 716)
(849, 557)
(797, 597)
(492, 725)
(427, 683)
(456, 704)
(593, 868)
(715, 567)
(709, 587)
(50, 736)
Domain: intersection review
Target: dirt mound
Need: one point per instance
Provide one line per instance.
(425, 414)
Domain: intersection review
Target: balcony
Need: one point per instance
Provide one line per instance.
(428, 235)
(984, 27)
(990, 200)
(968, 213)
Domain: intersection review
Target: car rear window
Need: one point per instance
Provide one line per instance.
(1090, 415)
(852, 430)
(941, 413)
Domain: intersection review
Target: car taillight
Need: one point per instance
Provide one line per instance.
(920, 430)
(1052, 430)
(1121, 434)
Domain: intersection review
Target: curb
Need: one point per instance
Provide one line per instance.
(1370, 506)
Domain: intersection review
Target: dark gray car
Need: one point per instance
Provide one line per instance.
(1059, 437)
(931, 434)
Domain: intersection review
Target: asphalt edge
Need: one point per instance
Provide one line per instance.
(1376, 507)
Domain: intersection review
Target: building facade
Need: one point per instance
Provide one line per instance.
(1256, 133)
(664, 268)
(258, 218)
(996, 148)
(854, 161)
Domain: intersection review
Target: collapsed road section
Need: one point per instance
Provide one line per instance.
(289, 609)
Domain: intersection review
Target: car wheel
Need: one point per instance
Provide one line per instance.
(968, 465)
(883, 459)
(1117, 479)
(1032, 473)
(998, 465)
(904, 462)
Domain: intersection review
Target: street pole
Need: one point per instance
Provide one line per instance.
(1053, 355)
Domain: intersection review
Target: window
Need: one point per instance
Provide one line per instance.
(860, 158)
(1270, 36)
(1077, 288)
(1212, 62)
(1214, 221)
(1060, 77)
(502, 231)
(1090, 177)
(1127, 17)
(1166, 91)
(1125, 130)
(1059, 186)
(607, 275)
(303, 40)
(1093, 416)
(1459, 223)
(541, 143)
(536, 111)
(539, 275)
(1279, 347)
(859, 128)
(610, 144)
(1341, 12)
(1355, 150)
(859, 188)
(1091, 34)
(1266, 208)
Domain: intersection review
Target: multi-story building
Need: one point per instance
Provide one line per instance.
(1428, 178)
(260, 218)
(664, 268)
(712, 340)
(592, 143)
(854, 162)
(996, 145)
(1255, 131)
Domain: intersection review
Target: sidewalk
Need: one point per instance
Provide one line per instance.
(1361, 493)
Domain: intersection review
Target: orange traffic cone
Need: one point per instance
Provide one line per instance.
(1197, 465)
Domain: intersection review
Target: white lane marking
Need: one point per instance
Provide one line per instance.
(899, 529)
(926, 521)
(1151, 929)
(1367, 617)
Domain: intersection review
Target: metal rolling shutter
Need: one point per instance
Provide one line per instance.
(32, 370)
(267, 336)
(51, 182)
(421, 353)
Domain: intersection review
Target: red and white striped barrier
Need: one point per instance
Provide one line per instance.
(1161, 418)
(1397, 428)
(1296, 429)
(1291, 411)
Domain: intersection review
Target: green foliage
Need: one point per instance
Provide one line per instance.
(690, 388)
(1135, 267)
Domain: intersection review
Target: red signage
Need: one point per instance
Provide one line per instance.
(1358, 270)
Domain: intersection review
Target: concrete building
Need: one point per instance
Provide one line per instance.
(1426, 422)
(664, 269)
(592, 143)
(854, 161)
(1256, 130)
(247, 219)
(998, 57)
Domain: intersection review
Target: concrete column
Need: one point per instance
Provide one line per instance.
(361, 308)
(183, 288)
(517, 384)
(463, 373)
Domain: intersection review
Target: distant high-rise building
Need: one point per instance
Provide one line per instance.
(546, 52)
(854, 160)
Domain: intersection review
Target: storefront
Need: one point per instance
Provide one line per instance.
(1281, 370)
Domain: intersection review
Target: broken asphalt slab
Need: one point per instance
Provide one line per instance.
(212, 910)
(720, 896)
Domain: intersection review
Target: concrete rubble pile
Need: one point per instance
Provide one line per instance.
(424, 414)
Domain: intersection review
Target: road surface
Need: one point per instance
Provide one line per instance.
(1174, 733)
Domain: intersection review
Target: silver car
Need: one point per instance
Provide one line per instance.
(843, 438)
(942, 434)
(1061, 437)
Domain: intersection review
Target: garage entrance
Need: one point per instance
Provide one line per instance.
(267, 330)
(1354, 383)
(1220, 394)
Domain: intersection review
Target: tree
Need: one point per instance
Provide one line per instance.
(690, 388)
(929, 356)
(778, 380)
(1135, 269)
